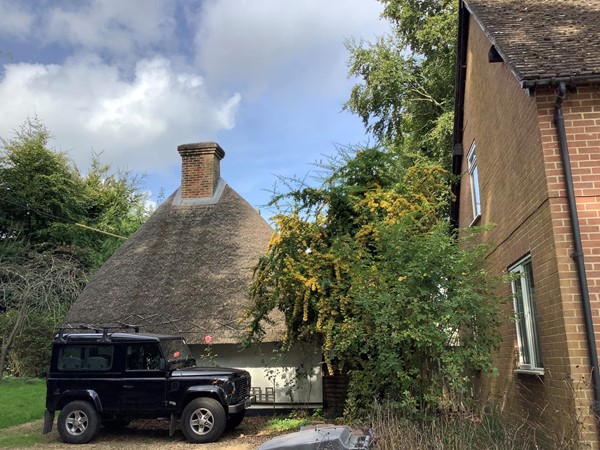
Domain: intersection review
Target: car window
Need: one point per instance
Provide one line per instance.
(177, 353)
(143, 356)
(85, 357)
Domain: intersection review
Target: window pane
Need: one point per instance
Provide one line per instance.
(521, 323)
(475, 187)
(530, 355)
(143, 357)
(474, 175)
(529, 283)
(88, 357)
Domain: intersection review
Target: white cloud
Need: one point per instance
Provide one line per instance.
(14, 19)
(301, 43)
(133, 79)
(136, 123)
(117, 25)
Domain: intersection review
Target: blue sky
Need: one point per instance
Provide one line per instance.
(131, 80)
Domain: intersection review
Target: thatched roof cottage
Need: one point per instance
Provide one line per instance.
(187, 270)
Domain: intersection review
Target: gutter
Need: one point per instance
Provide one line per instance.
(556, 81)
(577, 255)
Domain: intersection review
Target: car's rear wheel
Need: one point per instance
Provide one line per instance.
(203, 420)
(77, 422)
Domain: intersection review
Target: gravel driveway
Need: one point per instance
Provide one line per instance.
(155, 435)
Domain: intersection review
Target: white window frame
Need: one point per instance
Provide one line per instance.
(474, 177)
(523, 289)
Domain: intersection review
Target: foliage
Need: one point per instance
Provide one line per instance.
(45, 200)
(35, 285)
(115, 203)
(394, 431)
(36, 187)
(21, 400)
(490, 430)
(30, 353)
(406, 90)
(365, 264)
(56, 227)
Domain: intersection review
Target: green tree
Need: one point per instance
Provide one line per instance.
(47, 202)
(41, 194)
(365, 265)
(56, 227)
(115, 203)
(405, 94)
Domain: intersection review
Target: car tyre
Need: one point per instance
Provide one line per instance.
(77, 422)
(203, 420)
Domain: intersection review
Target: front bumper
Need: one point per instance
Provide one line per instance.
(241, 406)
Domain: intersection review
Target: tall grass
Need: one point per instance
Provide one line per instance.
(21, 400)
(455, 431)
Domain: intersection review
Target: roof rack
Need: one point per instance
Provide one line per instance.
(104, 329)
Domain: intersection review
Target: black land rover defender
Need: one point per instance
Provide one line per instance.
(108, 378)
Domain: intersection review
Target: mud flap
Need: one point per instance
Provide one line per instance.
(48, 422)
(172, 425)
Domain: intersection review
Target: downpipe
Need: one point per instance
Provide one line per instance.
(577, 255)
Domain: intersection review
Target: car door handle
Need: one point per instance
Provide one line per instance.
(128, 386)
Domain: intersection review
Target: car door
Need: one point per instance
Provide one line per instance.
(144, 384)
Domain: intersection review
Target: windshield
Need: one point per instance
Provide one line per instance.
(177, 353)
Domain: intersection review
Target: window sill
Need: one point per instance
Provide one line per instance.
(475, 221)
(539, 372)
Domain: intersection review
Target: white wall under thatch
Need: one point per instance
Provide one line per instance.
(294, 377)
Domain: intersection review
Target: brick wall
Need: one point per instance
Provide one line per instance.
(581, 111)
(520, 186)
(200, 169)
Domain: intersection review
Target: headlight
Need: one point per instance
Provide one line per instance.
(227, 385)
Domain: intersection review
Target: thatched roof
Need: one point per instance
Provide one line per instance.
(186, 271)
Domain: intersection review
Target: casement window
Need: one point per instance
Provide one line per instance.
(474, 175)
(523, 288)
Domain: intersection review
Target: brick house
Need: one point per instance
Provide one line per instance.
(527, 153)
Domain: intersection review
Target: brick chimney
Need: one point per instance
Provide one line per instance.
(200, 169)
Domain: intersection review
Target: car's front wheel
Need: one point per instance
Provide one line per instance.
(203, 420)
(77, 422)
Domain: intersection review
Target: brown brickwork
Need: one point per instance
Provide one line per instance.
(523, 194)
(200, 169)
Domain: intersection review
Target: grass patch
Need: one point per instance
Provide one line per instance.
(281, 424)
(21, 400)
(17, 441)
(22, 436)
(292, 422)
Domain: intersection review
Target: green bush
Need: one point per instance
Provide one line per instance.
(31, 351)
